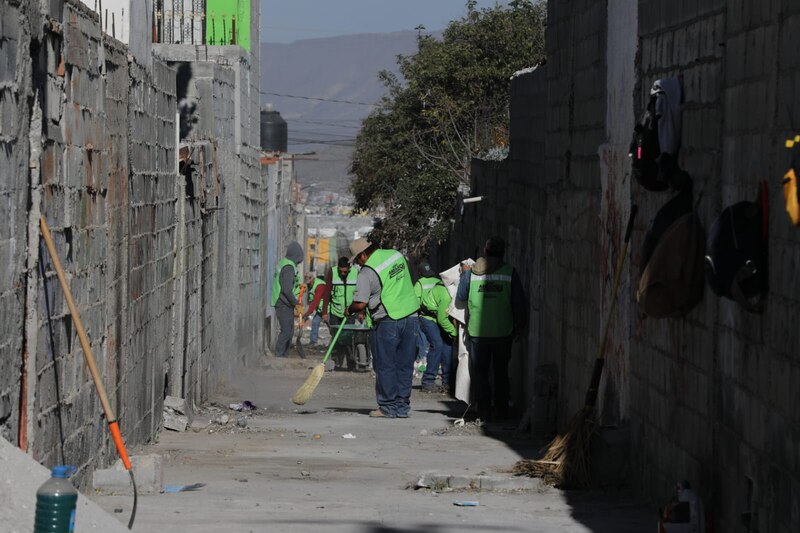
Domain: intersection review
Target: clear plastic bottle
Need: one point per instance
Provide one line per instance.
(56, 501)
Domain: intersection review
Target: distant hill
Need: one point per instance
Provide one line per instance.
(334, 68)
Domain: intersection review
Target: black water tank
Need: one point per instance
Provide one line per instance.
(274, 132)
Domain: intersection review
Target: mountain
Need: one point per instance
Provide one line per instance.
(341, 68)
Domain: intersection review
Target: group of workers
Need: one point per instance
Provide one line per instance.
(375, 284)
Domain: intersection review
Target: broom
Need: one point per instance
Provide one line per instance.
(566, 461)
(305, 391)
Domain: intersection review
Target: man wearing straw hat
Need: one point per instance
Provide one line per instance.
(497, 308)
(384, 288)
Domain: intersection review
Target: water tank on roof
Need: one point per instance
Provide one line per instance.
(274, 131)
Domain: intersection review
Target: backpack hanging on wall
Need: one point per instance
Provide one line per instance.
(671, 281)
(656, 139)
(791, 192)
(736, 256)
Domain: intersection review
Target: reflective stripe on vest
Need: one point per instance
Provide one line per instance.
(423, 286)
(490, 304)
(397, 291)
(342, 291)
(276, 282)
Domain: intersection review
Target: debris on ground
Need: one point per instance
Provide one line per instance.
(466, 503)
(246, 405)
(348, 436)
(241, 421)
(174, 413)
(221, 419)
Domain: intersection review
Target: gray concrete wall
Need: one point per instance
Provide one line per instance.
(707, 397)
(15, 87)
(161, 261)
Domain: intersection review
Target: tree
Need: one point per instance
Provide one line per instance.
(449, 104)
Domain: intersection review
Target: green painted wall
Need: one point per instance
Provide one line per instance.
(220, 16)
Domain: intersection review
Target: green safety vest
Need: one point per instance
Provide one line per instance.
(397, 291)
(426, 286)
(310, 297)
(276, 282)
(423, 286)
(342, 291)
(430, 303)
(489, 304)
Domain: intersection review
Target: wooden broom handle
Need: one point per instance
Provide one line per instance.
(76, 319)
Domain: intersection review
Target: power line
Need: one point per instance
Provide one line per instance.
(332, 124)
(318, 99)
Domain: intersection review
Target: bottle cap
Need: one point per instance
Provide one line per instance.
(62, 471)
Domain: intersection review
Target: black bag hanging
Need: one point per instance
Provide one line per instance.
(736, 252)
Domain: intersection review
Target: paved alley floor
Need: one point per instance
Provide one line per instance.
(292, 470)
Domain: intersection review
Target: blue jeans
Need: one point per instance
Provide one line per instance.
(439, 353)
(422, 341)
(315, 322)
(489, 355)
(394, 344)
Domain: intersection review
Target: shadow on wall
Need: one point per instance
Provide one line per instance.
(186, 104)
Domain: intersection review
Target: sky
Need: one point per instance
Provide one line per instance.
(284, 21)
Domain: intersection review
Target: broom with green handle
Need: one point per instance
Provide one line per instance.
(307, 389)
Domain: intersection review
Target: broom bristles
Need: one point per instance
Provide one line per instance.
(565, 462)
(306, 390)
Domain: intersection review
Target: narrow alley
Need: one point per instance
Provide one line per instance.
(292, 469)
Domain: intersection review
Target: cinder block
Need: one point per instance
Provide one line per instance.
(148, 471)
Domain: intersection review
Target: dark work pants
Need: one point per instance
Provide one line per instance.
(285, 317)
(488, 354)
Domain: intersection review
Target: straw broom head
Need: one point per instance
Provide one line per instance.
(565, 463)
(307, 389)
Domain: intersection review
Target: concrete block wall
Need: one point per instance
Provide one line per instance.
(90, 140)
(707, 397)
(720, 379)
(672, 362)
(73, 200)
(15, 86)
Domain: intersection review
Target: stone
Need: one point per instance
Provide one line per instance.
(174, 421)
(176, 404)
(147, 469)
(241, 421)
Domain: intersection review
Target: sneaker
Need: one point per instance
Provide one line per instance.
(405, 415)
(377, 413)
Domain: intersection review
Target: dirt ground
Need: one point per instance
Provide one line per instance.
(293, 470)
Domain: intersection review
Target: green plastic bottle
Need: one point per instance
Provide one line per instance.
(56, 501)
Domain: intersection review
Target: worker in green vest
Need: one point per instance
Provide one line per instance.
(315, 291)
(497, 312)
(384, 289)
(340, 290)
(285, 289)
(435, 322)
(425, 283)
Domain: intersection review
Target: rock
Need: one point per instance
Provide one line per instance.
(174, 421)
(424, 432)
(241, 421)
(176, 404)
(220, 419)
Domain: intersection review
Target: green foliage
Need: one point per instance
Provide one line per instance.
(450, 105)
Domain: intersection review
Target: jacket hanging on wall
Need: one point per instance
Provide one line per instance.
(671, 279)
(736, 260)
(791, 193)
(657, 138)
